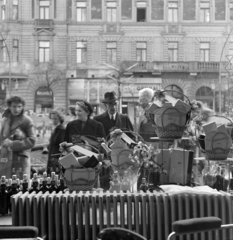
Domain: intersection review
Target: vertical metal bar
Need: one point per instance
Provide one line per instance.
(15, 209)
(115, 220)
(209, 212)
(187, 211)
(108, 209)
(166, 215)
(36, 211)
(229, 212)
(194, 210)
(223, 215)
(202, 213)
(29, 208)
(216, 214)
(101, 211)
(22, 209)
(80, 216)
(152, 216)
(159, 207)
(137, 212)
(87, 215)
(51, 225)
(144, 222)
(65, 216)
(44, 214)
(130, 213)
(72, 217)
(94, 217)
(122, 209)
(58, 215)
(180, 209)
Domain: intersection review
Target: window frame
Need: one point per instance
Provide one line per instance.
(203, 8)
(15, 48)
(204, 51)
(3, 10)
(142, 51)
(81, 9)
(82, 50)
(111, 9)
(44, 8)
(141, 7)
(15, 6)
(111, 50)
(172, 10)
(231, 10)
(173, 50)
(46, 54)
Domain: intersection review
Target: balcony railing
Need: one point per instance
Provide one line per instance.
(191, 67)
(44, 23)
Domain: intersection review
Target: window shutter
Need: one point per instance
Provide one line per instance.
(133, 51)
(149, 51)
(165, 50)
(212, 51)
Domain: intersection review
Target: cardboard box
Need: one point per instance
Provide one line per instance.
(164, 158)
(69, 161)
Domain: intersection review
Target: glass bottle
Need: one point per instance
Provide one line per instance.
(116, 180)
(49, 182)
(14, 189)
(25, 183)
(4, 197)
(35, 184)
(44, 188)
(53, 186)
(143, 186)
(61, 186)
(9, 184)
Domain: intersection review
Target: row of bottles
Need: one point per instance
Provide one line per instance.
(10, 187)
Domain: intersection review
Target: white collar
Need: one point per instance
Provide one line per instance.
(114, 116)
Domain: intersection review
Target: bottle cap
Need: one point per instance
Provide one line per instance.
(35, 175)
(52, 174)
(44, 174)
(3, 178)
(25, 176)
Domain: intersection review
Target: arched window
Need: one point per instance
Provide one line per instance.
(205, 95)
(174, 91)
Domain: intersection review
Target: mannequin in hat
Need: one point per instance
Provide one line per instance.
(111, 120)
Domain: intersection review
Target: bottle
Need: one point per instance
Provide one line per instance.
(53, 186)
(48, 182)
(57, 170)
(4, 197)
(35, 184)
(25, 183)
(61, 186)
(14, 190)
(125, 184)
(116, 178)
(18, 183)
(9, 184)
(56, 179)
(143, 186)
(44, 188)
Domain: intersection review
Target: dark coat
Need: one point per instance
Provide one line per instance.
(122, 121)
(56, 138)
(18, 158)
(74, 130)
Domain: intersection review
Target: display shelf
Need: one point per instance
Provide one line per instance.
(168, 139)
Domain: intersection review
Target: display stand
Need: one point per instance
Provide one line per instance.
(162, 140)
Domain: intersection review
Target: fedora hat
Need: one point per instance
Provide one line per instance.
(109, 97)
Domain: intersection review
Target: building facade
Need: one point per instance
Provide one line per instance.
(121, 45)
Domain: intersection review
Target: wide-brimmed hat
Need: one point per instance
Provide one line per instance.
(110, 97)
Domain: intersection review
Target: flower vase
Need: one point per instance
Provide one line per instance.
(133, 186)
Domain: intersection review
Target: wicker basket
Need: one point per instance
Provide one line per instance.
(81, 184)
(217, 154)
(171, 131)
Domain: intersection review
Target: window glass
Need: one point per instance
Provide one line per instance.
(220, 10)
(189, 10)
(96, 9)
(157, 9)
(126, 10)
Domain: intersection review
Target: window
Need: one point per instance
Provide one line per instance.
(111, 11)
(231, 11)
(3, 9)
(141, 51)
(141, 11)
(96, 9)
(111, 52)
(81, 11)
(126, 10)
(157, 10)
(220, 10)
(15, 9)
(43, 51)
(44, 9)
(204, 52)
(3, 51)
(81, 50)
(15, 50)
(172, 51)
(205, 12)
(172, 12)
(189, 10)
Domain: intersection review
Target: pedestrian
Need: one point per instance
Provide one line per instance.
(146, 129)
(57, 137)
(111, 120)
(72, 113)
(17, 139)
(83, 125)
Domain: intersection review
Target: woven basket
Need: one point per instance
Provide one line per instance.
(217, 154)
(171, 131)
(82, 184)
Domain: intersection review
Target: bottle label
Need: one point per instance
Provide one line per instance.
(4, 160)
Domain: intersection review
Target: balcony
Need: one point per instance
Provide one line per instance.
(160, 67)
(43, 24)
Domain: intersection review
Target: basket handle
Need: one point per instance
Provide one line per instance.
(215, 140)
(167, 110)
(222, 117)
(124, 150)
(164, 91)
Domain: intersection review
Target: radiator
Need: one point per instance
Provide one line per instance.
(82, 215)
